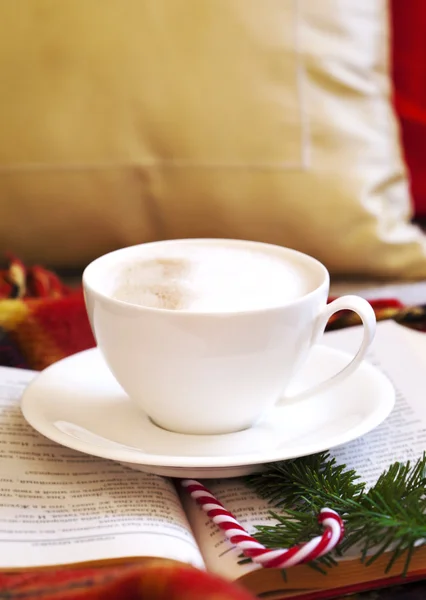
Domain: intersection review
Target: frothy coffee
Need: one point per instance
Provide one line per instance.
(210, 278)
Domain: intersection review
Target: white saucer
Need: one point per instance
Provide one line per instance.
(77, 403)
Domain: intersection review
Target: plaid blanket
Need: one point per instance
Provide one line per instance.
(42, 321)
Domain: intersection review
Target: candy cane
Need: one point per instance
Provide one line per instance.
(251, 548)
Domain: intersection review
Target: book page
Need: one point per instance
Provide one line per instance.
(397, 352)
(59, 506)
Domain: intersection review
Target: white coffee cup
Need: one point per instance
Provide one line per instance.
(206, 335)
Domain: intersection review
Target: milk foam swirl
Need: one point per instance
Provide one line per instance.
(211, 278)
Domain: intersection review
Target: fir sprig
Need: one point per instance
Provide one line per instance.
(388, 517)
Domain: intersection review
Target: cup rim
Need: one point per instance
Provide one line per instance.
(90, 269)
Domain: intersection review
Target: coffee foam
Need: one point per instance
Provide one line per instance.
(210, 279)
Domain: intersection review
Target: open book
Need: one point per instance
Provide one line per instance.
(58, 506)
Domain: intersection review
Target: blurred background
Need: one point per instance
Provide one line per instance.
(296, 123)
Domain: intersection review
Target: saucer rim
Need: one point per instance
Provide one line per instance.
(139, 457)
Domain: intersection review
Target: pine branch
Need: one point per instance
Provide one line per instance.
(389, 517)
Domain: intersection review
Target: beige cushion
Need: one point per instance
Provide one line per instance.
(123, 121)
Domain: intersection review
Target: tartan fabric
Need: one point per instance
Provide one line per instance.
(42, 321)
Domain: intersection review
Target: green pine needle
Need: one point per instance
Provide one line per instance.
(389, 517)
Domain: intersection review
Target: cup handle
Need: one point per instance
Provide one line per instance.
(364, 310)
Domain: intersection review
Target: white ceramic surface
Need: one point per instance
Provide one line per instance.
(212, 372)
(78, 403)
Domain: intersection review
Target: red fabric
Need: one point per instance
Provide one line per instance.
(149, 580)
(41, 319)
(409, 79)
(19, 281)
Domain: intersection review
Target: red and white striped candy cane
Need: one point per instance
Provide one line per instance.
(251, 548)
